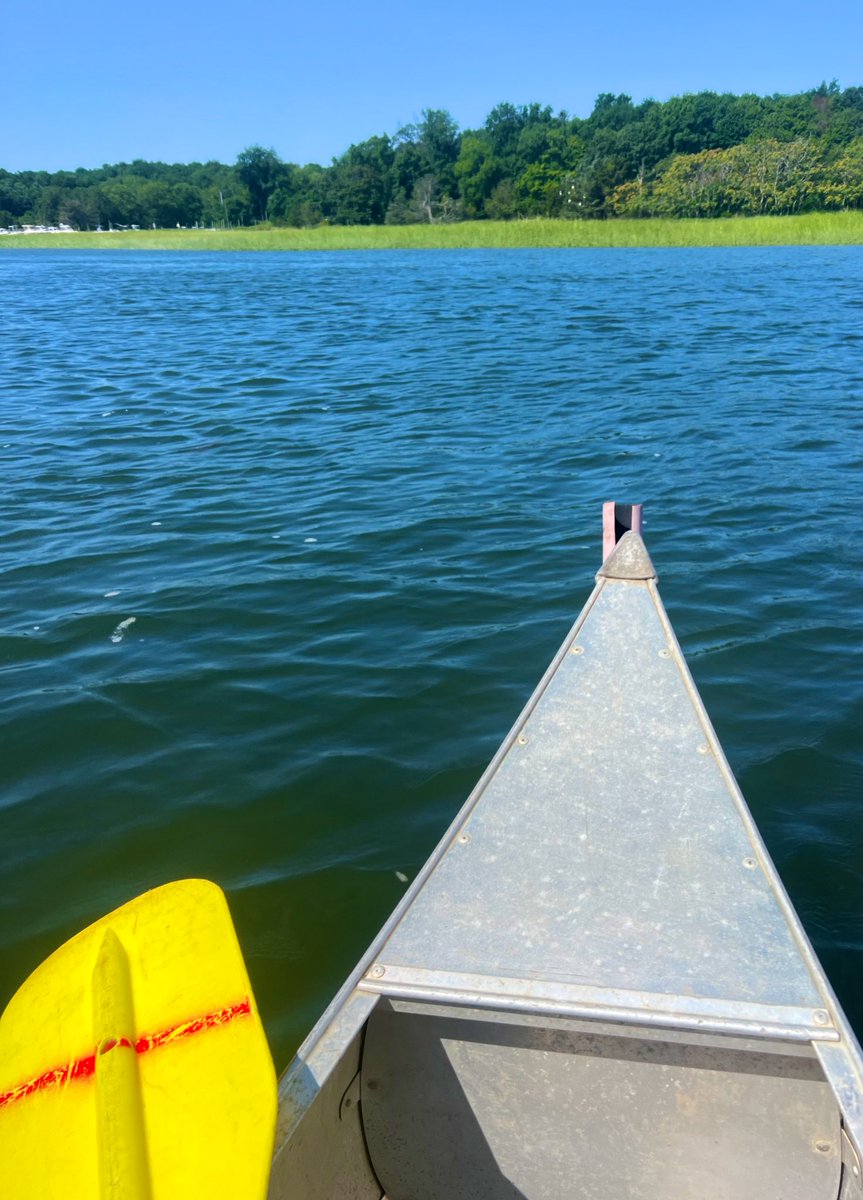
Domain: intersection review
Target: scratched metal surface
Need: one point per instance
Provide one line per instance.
(486, 1111)
(607, 849)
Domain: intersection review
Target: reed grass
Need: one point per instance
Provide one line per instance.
(810, 229)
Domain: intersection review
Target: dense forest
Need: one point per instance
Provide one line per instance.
(704, 155)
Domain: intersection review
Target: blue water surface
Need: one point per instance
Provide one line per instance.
(287, 539)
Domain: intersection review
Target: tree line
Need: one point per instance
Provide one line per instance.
(698, 155)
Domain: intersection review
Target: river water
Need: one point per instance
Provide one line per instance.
(288, 539)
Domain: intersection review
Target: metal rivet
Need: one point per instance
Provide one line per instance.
(666, 653)
(464, 839)
(823, 1147)
(821, 1016)
(750, 864)
(578, 650)
(704, 748)
(378, 971)
(522, 739)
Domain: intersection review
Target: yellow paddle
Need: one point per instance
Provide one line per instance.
(133, 1062)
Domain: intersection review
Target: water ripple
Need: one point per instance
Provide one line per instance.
(287, 540)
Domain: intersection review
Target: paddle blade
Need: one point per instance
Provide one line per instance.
(133, 1062)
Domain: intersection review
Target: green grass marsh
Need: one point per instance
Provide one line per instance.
(816, 229)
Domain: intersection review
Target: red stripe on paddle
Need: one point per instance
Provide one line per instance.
(84, 1067)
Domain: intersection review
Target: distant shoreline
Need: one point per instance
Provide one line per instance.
(810, 229)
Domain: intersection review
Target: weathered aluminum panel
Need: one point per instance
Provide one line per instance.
(475, 1110)
(607, 851)
(320, 1150)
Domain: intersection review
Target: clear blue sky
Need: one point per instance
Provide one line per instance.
(181, 82)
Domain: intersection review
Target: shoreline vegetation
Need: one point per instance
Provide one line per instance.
(692, 157)
(809, 229)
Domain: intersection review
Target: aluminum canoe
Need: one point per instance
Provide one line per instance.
(597, 987)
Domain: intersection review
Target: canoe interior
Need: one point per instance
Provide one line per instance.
(597, 985)
(438, 1103)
